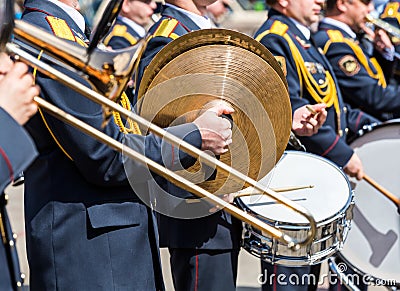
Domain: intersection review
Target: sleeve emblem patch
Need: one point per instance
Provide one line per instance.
(349, 65)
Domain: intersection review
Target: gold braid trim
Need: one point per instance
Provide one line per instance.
(360, 56)
(133, 127)
(44, 119)
(381, 80)
(321, 93)
(324, 93)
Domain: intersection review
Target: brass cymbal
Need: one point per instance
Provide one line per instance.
(219, 64)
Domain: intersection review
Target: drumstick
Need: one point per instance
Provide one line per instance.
(248, 193)
(286, 189)
(311, 109)
(384, 191)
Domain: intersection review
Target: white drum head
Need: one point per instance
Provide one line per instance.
(330, 194)
(373, 244)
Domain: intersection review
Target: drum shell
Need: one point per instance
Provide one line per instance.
(330, 236)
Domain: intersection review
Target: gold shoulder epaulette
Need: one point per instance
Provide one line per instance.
(390, 10)
(278, 28)
(166, 27)
(120, 31)
(60, 28)
(335, 35)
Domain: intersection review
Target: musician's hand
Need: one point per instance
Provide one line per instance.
(17, 90)
(368, 32)
(307, 123)
(382, 41)
(216, 132)
(354, 167)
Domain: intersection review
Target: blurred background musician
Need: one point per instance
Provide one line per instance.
(391, 68)
(86, 228)
(360, 77)
(129, 27)
(311, 80)
(17, 151)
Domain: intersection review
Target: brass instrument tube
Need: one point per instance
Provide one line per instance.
(193, 151)
(390, 29)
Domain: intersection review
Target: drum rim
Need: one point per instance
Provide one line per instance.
(363, 132)
(304, 224)
(360, 272)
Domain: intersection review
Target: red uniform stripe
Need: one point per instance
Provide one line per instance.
(331, 147)
(197, 272)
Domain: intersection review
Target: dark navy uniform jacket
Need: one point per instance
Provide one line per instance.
(17, 151)
(121, 35)
(330, 141)
(218, 231)
(86, 228)
(360, 77)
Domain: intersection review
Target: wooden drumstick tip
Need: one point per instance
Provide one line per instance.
(309, 108)
(385, 192)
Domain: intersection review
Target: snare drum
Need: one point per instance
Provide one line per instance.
(372, 248)
(329, 201)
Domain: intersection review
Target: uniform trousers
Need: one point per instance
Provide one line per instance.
(279, 278)
(204, 270)
(9, 263)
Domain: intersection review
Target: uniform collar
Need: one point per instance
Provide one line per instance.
(199, 20)
(296, 27)
(132, 24)
(343, 26)
(303, 29)
(72, 12)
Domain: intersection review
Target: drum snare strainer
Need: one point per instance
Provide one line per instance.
(329, 201)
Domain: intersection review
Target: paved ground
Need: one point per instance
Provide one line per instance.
(249, 266)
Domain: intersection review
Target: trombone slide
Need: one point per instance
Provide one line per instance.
(207, 159)
(162, 171)
(390, 29)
